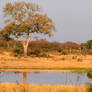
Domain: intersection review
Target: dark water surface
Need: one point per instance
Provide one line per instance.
(44, 78)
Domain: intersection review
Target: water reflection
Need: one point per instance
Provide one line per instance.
(44, 78)
(89, 75)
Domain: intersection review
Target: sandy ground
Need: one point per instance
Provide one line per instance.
(57, 61)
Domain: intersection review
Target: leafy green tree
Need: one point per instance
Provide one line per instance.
(24, 19)
(89, 43)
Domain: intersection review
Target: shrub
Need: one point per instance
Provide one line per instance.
(37, 52)
(59, 50)
(79, 59)
(64, 53)
(63, 58)
(43, 55)
(34, 52)
(45, 49)
(18, 51)
(74, 57)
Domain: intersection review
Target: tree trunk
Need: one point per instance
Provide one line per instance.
(24, 78)
(25, 51)
(25, 45)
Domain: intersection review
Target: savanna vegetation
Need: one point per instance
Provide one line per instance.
(23, 20)
(42, 88)
(43, 48)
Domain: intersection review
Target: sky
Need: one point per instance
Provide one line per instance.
(73, 18)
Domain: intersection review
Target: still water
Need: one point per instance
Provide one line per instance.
(45, 78)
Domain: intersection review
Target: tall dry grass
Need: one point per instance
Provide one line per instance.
(6, 87)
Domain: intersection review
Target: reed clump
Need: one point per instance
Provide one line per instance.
(6, 87)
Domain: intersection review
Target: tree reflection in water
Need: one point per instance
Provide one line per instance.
(89, 75)
(66, 78)
(24, 78)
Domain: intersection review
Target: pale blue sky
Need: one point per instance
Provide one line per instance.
(73, 18)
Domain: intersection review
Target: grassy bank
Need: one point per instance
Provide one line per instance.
(6, 87)
(80, 70)
(57, 63)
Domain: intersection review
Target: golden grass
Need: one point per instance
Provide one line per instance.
(8, 61)
(56, 61)
(6, 87)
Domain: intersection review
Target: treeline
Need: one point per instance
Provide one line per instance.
(43, 47)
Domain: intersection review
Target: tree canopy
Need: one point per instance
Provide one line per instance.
(24, 19)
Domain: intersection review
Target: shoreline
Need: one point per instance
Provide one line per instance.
(25, 70)
(59, 63)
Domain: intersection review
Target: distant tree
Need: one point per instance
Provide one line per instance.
(23, 20)
(70, 45)
(89, 43)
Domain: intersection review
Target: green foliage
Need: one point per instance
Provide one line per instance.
(89, 42)
(89, 75)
